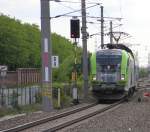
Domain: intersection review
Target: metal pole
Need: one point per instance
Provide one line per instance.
(59, 99)
(111, 33)
(102, 28)
(46, 56)
(75, 89)
(84, 43)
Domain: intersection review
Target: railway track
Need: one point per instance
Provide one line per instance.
(88, 114)
(65, 119)
(93, 109)
(44, 120)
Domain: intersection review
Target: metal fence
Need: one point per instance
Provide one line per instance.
(23, 87)
(11, 97)
(22, 76)
(26, 95)
(20, 87)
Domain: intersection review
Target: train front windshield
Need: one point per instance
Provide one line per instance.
(108, 67)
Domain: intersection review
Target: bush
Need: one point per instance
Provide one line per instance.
(143, 72)
(38, 97)
(64, 95)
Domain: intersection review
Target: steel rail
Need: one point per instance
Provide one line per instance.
(71, 122)
(44, 120)
(57, 116)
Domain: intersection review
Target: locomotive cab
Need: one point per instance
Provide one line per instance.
(113, 74)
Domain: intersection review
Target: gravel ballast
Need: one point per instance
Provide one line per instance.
(26, 118)
(132, 116)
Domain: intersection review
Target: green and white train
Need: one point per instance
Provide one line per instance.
(114, 71)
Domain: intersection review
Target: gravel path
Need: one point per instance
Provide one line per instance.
(132, 116)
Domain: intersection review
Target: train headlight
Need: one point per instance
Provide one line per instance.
(122, 77)
(94, 78)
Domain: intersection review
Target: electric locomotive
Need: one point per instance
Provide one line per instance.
(114, 71)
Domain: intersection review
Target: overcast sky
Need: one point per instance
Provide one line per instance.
(135, 14)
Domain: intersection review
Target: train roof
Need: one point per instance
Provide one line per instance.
(120, 46)
(109, 52)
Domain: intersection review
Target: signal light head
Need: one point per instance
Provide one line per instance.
(75, 28)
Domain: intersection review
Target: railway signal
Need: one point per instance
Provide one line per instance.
(75, 33)
(75, 28)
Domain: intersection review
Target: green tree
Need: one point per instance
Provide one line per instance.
(20, 47)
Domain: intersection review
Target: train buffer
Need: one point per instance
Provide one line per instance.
(145, 95)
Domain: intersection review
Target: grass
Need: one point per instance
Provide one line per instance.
(19, 110)
(65, 102)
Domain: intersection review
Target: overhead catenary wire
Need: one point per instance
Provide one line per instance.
(70, 14)
(88, 2)
(66, 6)
(73, 11)
(58, 1)
(95, 17)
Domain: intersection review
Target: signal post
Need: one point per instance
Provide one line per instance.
(75, 33)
